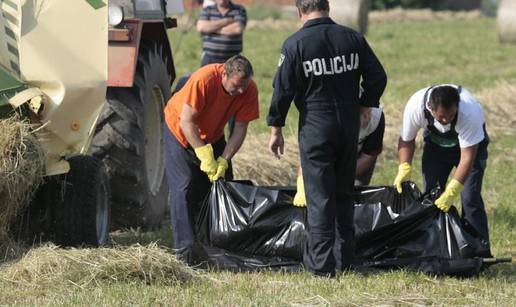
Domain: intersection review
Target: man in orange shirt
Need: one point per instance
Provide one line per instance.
(195, 150)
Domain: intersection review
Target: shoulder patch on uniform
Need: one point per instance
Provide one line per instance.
(281, 59)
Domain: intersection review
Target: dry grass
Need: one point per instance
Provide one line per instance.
(50, 266)
(498, 103)
(21, 169)
(256, 162)
(398, 14)
(276, 24)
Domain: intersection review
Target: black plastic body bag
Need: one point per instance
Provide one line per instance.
(244, 227)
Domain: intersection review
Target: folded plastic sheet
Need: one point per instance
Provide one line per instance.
(246, 227)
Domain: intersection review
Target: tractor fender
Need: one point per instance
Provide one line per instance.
(124, 44)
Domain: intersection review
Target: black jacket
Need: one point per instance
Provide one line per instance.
(324, 62)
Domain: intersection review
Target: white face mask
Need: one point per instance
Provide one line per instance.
(442, 128)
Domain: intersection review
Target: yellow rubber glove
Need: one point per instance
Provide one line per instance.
(300, 198)
(208, 163)
(404, 170)
(222, 166)
(445, 201)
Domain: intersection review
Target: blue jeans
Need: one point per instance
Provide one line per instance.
(188, 187)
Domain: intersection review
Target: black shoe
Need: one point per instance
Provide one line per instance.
(484, 254)
(193, 255)
(485, 250)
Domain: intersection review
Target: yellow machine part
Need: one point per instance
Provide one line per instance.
(60, 47)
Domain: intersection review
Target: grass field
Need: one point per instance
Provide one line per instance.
(415, 55)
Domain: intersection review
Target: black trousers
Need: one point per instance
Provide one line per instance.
(328, 139)
(437, 165)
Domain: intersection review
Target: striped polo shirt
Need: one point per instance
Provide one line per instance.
(218, 45)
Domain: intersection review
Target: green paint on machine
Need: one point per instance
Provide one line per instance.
(9, 86)
(96, 4)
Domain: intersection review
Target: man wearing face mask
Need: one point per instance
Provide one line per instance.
(195, 150)
(454, 136)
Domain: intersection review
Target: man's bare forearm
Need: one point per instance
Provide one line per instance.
(212, 26)
(467, 158)
(235, 141)
(406, 151)
(234, 28)
(191, 132)
(188, 124)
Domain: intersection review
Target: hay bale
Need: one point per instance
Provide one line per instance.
(352, 13)
(21, 169)
(254, 162)
(50, 266)
(506, 21)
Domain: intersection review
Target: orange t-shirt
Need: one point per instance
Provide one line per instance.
(204, 92)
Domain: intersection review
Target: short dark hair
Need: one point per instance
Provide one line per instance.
(444, 96)
(238, 64)
(308, 6)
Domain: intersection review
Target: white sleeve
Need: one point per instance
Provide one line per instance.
(470, 123)
(413, 117)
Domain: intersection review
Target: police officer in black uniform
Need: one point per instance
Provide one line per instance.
(320, 68)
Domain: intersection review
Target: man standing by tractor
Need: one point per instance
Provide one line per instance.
(454, 136)
(370, 145)
(320, 68)
(195, 150)
(222, 26)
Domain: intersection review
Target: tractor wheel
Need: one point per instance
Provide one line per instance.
(82, 210)
(129, 140)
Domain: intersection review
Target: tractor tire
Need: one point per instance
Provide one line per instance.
(82, 212)
(129, 140)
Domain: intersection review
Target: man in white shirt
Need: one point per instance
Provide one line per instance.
(454, 136)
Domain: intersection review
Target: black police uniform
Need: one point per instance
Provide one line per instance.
(441, 152)
(320, 68)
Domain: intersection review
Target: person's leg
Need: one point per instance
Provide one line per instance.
(436, 165)
(181, 82)
(473, 209)
(179, 176)
(317, 161)
(208, 59)
(344, 249)
(365, 178)
(187, 187)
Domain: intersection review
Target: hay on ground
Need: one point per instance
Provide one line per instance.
(21, 169)
(405, 15)
(51, 266)
(506, 21)
(498, 103)
(254, 162)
